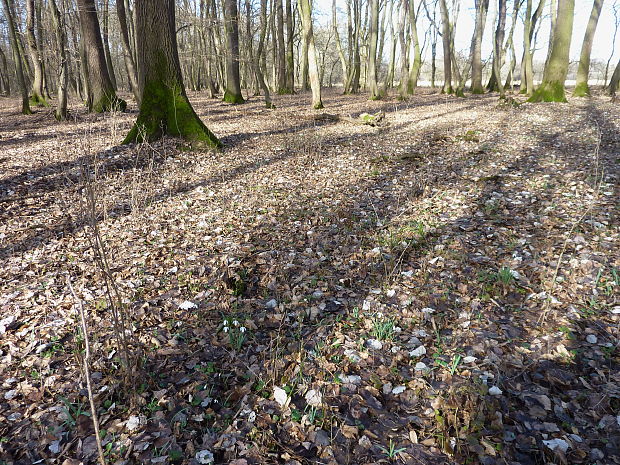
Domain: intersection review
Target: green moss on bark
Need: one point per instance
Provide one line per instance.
(230, 97)
(108, 103)
(581, 90)
(166, 110)
(318, 106)
(549, 92)
(38, 100)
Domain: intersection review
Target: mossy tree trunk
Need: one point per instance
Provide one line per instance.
(373, 31)
(63, 75)
(313, 67)
(165, 108)
(552, 87)
(17, 58)
(37, 94)
(447, 51)
(482, 7)
(232, 93)
(102, 96)
(581, 86)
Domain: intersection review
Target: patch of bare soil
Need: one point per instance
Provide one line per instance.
(439, 289)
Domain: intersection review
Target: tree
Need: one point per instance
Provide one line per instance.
(447, 50)
(497, 46)
(482, 7)
(556, 69)
(527, 62)
(313, 67)
(614, 82)
(17, 57)
(581, 86)
(372, 49)
(130, 65)
(416, 64)
(259, 54)
(63, 73)
(101, 95)
(232, 94)
(165, 108)
(37, 96)
(4, 74)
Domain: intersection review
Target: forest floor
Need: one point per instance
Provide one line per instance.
(440, 289)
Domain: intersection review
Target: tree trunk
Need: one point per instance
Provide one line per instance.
(59, 29)
(389, 77)
(37, 93)
(232, 94)
(102, 96)
(447, 52)
(552, 87)
(6, 86)
(581, 86)
(259, 53)
(281, 57)
(402, 40)
(416, 64)
(313, 69)
(614, 81)
(165, 108)
(527, 65)
(290, 56)
(130, 65)
(482, 7)
(343, 60)
(21, 80)
(372, 49)
(106, 42)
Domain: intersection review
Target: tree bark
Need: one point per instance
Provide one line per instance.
(130, 65)
(21, 80)
(106, 42)
(232, 94)
(343, 60)
(614, 81)
(165, 108)
(290, 56)
(581, 86)
(552, 87)
(6, 86)
(447, 52)
(313, 70)
(259, 53)
(102, 96)
(416, 64)
(63, 76)
(498, 45)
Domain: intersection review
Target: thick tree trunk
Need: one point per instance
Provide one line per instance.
(482, 7)
(552, 87)
(165, 108)
(232, 94)
(61, 39)
(37, 93)
(447, 52)
(17, 58)
(102, 96)
(313, 69)
(614, 82)
(581, 86)
(372, 49)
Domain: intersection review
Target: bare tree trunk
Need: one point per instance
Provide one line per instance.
(372, 49)
(21, 80)
(482, 7)
(38, 94)
(614, 81)
(416, 64)
(402, 40)
(259, 53)
(313, 70)
(581, 86)
(102, 96)
(447, 52)
(290, 58)
(389, 77)
(232, 93)
(527, 66)
(4, 74)
(497, 46)
(165, 108)
(61, 108)
(106, 42)
(343, 60)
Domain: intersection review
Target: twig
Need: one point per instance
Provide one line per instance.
(91, 398)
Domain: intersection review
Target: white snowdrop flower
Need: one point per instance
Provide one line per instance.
(225, 329)
(242, 329)
(379, 315)
(235, 323)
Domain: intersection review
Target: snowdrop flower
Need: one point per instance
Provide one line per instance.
(225, 329)
(236, 323)
(379, 315)
(242, 329)
(225, 322)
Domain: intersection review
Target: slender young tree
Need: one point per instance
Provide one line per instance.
(128, 57)
(343, 60)
(527, 61)
(552, 87)
(290, 52)
(232, 94)
(313, 67)
(258, 58)
(581, 86)
(17, 56)
(482, 7)
(416, 63)
(4, 74)
(614, 82)
(102, 96)
(497, 46)
(63, 73)
(165, 108)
